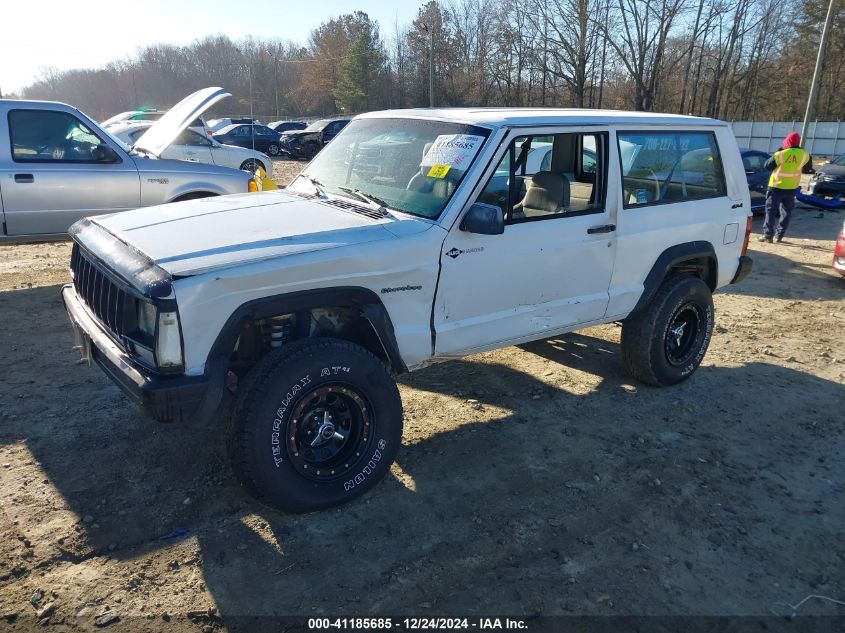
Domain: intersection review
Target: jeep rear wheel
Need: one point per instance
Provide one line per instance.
(666, 342)
(317, 424)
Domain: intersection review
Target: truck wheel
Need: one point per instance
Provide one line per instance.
(251, 165)
(316, 424)
(666, 342)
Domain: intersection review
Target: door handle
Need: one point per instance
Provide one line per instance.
(22, 178)
(604, 228)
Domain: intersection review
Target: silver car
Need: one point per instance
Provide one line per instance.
(57, 166)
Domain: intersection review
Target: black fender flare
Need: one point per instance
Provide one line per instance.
(670, 258)
(371, 307)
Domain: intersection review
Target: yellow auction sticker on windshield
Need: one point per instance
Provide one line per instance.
(438, 171)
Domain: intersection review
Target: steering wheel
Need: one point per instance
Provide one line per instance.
(655, 188)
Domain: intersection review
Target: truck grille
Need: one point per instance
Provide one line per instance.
(110, 304)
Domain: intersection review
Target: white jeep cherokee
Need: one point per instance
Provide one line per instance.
(415, 236)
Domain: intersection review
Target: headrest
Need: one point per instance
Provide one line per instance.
(545, 192)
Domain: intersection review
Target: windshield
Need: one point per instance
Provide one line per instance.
(317, 125)
(116, 140)
(410, 165)
(839, 160)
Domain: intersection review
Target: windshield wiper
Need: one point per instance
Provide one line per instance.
(366, 197)
(318, 186)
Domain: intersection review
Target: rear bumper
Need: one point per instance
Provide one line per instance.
(743, 270)
(165, 398)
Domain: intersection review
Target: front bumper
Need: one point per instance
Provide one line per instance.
(165, 398)
(743, 270)
(825, 187)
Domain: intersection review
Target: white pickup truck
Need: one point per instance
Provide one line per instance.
(415, 236)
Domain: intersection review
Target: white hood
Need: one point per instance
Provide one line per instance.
(178, 118)
(186, 238)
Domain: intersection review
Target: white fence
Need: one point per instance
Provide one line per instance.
(824, 138)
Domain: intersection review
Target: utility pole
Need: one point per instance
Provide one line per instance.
(814, 87)
(276, 74)
(430, 32)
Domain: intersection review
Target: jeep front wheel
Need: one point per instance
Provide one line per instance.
(317, 423)
(666, 342)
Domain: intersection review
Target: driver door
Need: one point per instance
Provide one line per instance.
(550, 270)
(57, 175)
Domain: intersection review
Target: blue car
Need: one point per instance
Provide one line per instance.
(252, 136)
(754, 163)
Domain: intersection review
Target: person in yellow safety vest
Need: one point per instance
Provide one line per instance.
(786, 165)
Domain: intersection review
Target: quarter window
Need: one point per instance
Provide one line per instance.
(661, 167)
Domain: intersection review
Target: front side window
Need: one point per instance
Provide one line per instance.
(549, 176)
(409, 165)
(662, 167)
(189, 137)
(51, 136)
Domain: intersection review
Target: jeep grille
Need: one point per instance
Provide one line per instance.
(112, 306)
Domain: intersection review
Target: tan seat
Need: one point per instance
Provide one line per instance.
(547, 194)
(441, 187)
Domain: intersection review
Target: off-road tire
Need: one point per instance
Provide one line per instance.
(648, 335)
(272, 409)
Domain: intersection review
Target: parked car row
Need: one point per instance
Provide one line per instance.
(307, 142)
(198, 148)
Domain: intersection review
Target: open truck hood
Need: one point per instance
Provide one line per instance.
(163, 132)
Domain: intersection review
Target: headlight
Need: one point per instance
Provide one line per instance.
(147, 318)
(169, 341)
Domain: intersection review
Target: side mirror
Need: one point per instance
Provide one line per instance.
(105, 154)
(484, 219)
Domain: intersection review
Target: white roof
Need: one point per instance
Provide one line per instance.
(499, 117)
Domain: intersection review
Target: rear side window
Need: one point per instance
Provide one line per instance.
(663, 167)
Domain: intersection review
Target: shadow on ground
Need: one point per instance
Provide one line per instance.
(720, 495)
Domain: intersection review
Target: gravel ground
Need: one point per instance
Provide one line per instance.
(536, 479)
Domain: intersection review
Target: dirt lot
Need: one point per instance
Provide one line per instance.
(533, 480)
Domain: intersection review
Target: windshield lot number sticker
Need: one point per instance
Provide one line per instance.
(438, 171)
(452, 150)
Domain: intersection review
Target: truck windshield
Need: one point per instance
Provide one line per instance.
(409, 165)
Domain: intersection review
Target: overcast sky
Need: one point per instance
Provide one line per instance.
(90, 33)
